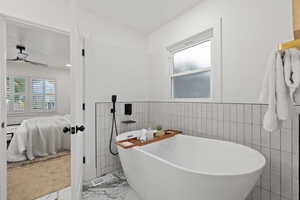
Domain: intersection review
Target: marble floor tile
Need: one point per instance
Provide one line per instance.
(113, 187)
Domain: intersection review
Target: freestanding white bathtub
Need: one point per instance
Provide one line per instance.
(191, 168)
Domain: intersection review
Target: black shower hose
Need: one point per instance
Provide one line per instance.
(113, 125)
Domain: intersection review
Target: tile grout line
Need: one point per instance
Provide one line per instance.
(260, 133)
(270, 167)
(280, 178)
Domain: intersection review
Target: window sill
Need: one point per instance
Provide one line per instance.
(30, 114)
(192, 100)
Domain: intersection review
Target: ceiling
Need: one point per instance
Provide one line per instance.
(53, 48)
(42, 45)
(143, 15)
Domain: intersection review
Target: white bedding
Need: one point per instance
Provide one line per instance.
(38, 137)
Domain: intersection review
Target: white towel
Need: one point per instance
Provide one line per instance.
(283, 104)
(281, 87)
(292, 73)
(268, 94)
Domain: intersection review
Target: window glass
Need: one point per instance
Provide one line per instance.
(37, 102)
(192, 86)
(37, 86)
(41, 92)
(16, 94)
(50, 102)
(193, 58)
(19, 103)
(49, 87)
(9, 89)
(43, 95)
(19, 85)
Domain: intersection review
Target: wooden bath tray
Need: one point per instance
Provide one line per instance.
(135, 142)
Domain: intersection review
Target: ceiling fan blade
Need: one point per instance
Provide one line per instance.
(13, 60)
(36, 63)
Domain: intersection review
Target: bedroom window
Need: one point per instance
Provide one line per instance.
(16, 94)
(191, 67)
(43, 95)
(27, 95)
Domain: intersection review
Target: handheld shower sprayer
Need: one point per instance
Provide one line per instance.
(113, 100)
(114, 123)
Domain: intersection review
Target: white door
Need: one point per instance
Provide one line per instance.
(2, 108)
(76, 105)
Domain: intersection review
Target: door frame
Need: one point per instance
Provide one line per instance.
(3, 115)
(76, 101)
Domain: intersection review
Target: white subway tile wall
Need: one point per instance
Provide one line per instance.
(105, 161)
(239, 123)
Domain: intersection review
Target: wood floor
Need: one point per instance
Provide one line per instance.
(29, 180)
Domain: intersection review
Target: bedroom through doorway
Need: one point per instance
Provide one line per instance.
(38, 82)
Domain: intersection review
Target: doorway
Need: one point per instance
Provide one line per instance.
(38, 113)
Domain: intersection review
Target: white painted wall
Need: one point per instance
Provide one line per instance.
(54, 13)
(251, 30)
(116, 63)
(63, 84)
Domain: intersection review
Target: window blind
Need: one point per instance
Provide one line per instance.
(43, 95)
(37, 89)
(37, 95)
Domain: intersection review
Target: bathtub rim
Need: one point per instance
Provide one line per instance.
(261, 165)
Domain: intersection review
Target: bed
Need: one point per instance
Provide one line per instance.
(39, 137)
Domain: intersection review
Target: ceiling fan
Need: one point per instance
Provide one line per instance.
(22, 57)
